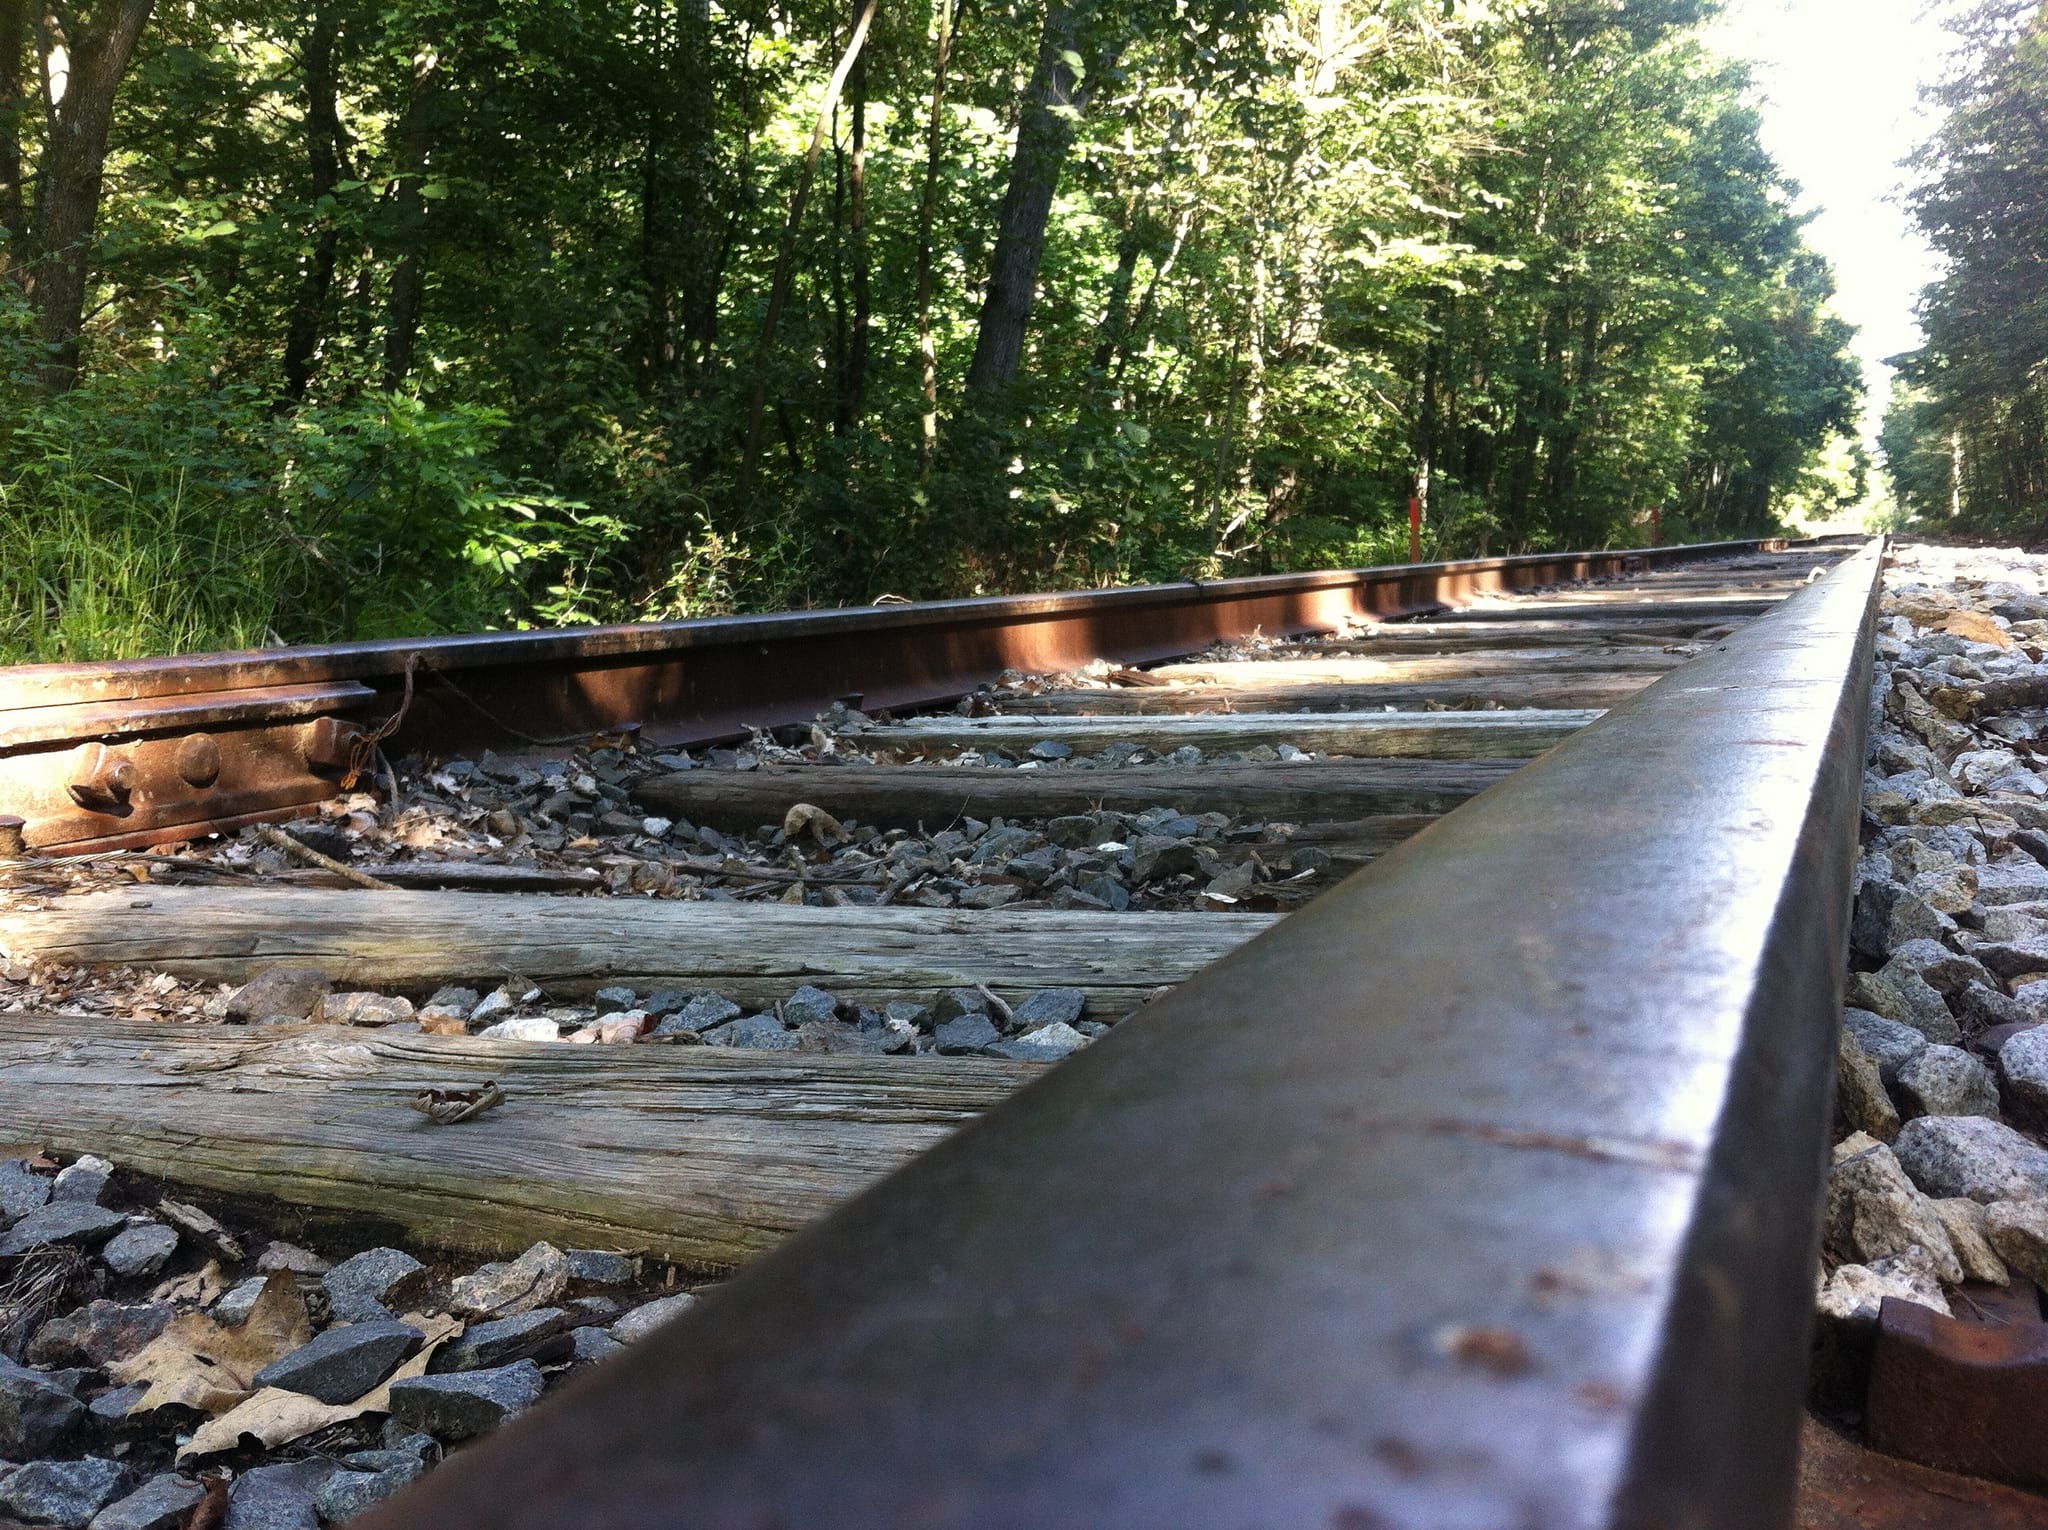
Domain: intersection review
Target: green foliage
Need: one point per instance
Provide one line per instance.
(1966, 431)
(162, 509)
(1305, 256)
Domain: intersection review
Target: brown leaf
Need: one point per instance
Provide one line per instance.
(439, 1022)
(200, 1287)
(444, 1107)
(208, 1367)
(275, 1417)
(617, 1032)
(210, 1510)
(1974, 627)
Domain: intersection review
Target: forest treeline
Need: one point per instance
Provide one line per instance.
(1965, 434)
(364, 317)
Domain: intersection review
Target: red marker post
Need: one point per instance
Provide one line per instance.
(1414, 530)
(1656, 525)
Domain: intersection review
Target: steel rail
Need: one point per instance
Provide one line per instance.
(103, 756)
(1480, 1193)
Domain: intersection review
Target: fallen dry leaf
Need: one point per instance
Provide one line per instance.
(612, 1032)
(271, 1417)
(205, 1366)
(212, 1509)
(275, 1417)
(440, 1023)
(444, 1107)
(1974, 627)
(200, 1287)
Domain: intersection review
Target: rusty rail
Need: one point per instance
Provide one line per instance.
(106, 756)
(1482, 1192)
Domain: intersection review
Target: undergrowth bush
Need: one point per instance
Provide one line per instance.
(165, 510)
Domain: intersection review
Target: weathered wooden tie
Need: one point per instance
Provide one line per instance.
(1503, 692)
(1406, 668)
(754, 953)
(1427, 735)
(702, 1155)
(936, 796)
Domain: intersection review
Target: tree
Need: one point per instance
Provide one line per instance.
(1967, 431)
(81, 61)
(446, 313)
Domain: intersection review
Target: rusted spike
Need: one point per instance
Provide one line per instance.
(101, 781)
(1964, 1397)
(13, 847)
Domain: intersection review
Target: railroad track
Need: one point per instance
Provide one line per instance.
(1477, 1190)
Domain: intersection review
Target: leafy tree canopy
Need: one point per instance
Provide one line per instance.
(358, 317)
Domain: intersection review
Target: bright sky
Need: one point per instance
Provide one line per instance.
(1841, 83)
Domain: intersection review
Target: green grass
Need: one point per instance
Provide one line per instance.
(94, 567)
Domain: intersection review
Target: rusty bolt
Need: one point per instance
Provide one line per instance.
(199, 760)
(101, 781)
(13, 846)
(332, 744)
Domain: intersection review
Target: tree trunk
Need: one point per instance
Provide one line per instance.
(14, 101)
(417, 133)
(854, 377)
(1426, 414)
(696, 166)
(785, 258)
(657, 350)
(928, 360)
(1116, 313)
(323, 165)
(68, 185)
(1045, 132)
(1183, 225)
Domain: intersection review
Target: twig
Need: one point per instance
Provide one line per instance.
(739, 872)
(277, 839)
(1002, 1011)
(390, 789)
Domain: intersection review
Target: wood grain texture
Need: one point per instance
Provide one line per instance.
(1450, 636)
(754, 953)
(1338, 668)
(474, 876)
(1616, 605)
(1424, 735)
(1507, 691)
(935, 796)
(701, 1155)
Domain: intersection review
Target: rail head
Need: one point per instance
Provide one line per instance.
(1480, 1193)
(66, 731)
